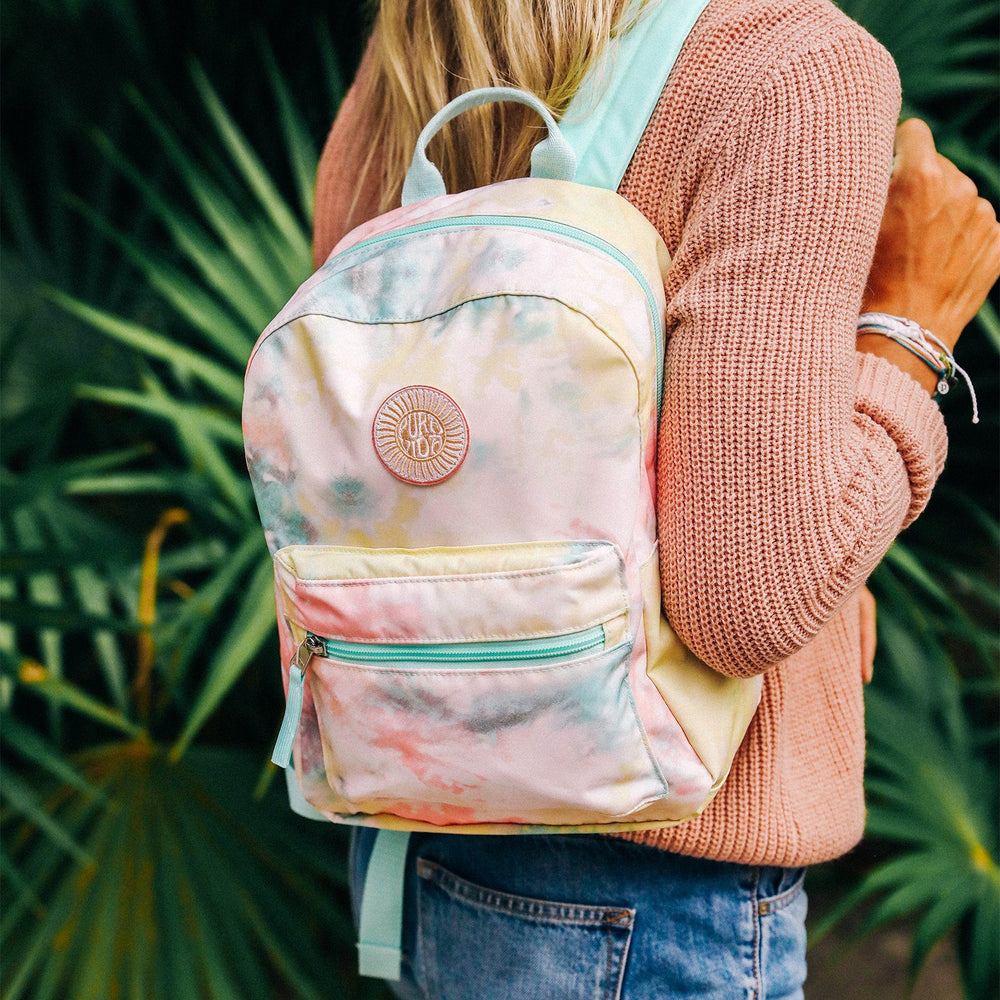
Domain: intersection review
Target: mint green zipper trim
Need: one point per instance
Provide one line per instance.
(437, 653)
(545, 226)
(466, 652)
(282, 753)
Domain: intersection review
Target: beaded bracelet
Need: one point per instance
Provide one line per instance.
(924, 345)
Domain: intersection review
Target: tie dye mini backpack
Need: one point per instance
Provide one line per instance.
(451, 431)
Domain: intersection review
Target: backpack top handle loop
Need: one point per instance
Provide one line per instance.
(553, 157)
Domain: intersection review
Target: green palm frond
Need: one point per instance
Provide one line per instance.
(988, 318)
(240, 251)
(185, 363)
(934, 797)
(948, 54)
(942, 50)
(251, 626)
(150, 866)
(183, 886)
(51, 590)
(933, 793)
(930, 774)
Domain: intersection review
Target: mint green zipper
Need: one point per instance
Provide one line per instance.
(545, 226)
(466, 652)
(436, 653)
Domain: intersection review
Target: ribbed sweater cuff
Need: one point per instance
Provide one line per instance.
(908, 414)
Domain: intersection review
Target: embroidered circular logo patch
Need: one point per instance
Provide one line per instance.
(420, 435)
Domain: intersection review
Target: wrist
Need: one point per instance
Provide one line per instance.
(899, 356)
(925, 348)
(934, 320)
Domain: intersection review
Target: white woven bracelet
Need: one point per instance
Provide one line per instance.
(924, 345)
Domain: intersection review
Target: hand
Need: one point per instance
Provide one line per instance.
(868, 634)
(938, 250)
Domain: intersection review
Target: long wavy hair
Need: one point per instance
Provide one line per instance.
(425, 52)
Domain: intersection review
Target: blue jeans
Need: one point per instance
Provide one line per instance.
(587, 917)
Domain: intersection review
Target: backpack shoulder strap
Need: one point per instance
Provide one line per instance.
(612, 108)
(380, 923)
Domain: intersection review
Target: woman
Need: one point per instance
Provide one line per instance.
(792, 452)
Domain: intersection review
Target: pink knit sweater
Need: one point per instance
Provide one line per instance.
(788, 462)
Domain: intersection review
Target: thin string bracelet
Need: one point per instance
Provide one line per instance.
(925, 345)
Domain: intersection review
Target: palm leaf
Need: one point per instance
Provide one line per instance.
(932, 48)
(22, 800)
(990, 321)
(926, 791)
(27, 744)
(223, 275)
(190, 891)
(299, 143)
(225, 223)
(200, 441)
(252, 171)
(184, 632)
(198, 308)
(252, 625)
(64, 693)
(184, 361)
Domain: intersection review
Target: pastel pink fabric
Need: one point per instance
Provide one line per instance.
(788, 462)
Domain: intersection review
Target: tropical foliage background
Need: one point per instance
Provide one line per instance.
(156, 206)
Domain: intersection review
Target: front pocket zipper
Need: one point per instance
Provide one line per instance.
(440, 654)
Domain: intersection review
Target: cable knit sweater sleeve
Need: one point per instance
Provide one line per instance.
(788, 462)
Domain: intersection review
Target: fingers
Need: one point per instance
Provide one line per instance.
(914, 146)
(938, 250)
(991, 248)
(917, 161)
(961, 187)
(986, 258)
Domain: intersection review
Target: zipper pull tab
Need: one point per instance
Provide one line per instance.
(310, 646)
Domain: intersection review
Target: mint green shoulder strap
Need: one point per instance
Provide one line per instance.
(613, 106)
(380, 923)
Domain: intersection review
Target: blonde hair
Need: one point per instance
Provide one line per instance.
(425, 52)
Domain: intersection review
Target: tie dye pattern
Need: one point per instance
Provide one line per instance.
(548, 345)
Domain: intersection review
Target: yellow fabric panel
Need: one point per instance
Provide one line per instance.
(713, 710)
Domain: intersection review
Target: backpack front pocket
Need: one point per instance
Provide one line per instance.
(464, 686)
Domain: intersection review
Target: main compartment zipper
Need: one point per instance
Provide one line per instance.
(436, 653)
(545, 226)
